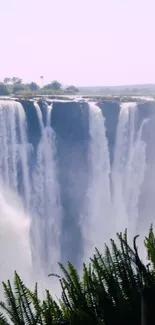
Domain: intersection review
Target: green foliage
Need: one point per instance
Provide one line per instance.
(7, 80)
(16, 87)
(51, 92)
(55, 86)
(24, 306)
(109, 291)
(16, 80)
(150, 246)
(33, 87)
(72, 90)
(4, 91)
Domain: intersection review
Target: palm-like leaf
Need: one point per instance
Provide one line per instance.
(109, 292)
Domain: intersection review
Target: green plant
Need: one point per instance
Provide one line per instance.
(109, 291)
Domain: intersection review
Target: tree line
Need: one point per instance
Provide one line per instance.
(15, 86)
(115, 288)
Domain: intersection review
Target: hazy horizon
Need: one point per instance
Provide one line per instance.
(86, 43)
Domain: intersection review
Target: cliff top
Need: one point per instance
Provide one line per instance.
(98, 98)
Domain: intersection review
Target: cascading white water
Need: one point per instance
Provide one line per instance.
(46, 200)
(98, 202)
(40, 117)
(23, 154)
(128, 169)
(27, 202)
(15, 250)
(8, 131)
(114, 191)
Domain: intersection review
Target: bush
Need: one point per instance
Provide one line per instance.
(72, 90)
(4, 91)
(109, 292)
(33, 87)
(19, 87)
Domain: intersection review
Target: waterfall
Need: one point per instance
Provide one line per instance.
(98, 202)
(128, 169)
(15, 250)
(46, 200)
(13, 146)
(113, 194)
(49, 110)
(40, 117)
(8, 170)
(52, 171)
(29, 193)
(24, 152)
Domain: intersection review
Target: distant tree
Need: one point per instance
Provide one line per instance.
(33, 86)
(7, 80)
(16, 80)
(4, 91)
(54, 85)
(72, 89)
(19, 87)
(48, 86)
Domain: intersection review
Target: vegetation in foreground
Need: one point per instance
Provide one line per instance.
(109, 292)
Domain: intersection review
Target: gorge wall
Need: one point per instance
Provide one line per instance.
(83, 169)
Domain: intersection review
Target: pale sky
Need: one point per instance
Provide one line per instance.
(81, 42)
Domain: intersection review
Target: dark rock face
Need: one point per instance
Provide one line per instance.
(110, 111)
(71, 124)
(70, 120)
(34, 131)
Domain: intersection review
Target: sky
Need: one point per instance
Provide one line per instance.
(81, 42)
